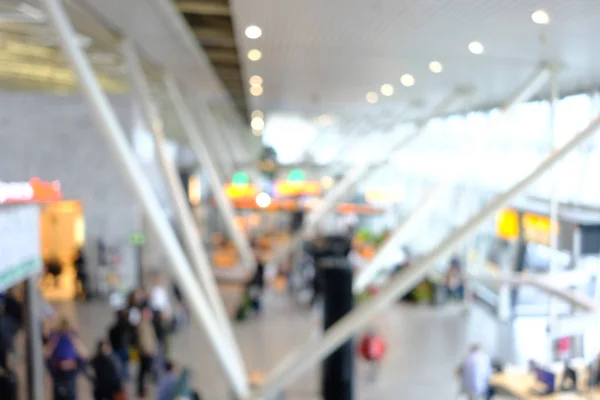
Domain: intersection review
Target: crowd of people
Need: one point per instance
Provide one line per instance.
(140, 333)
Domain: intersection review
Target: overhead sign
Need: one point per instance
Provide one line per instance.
(241, 191)
(297, 188)
(34, 191)
(20, 244)
(536, 228)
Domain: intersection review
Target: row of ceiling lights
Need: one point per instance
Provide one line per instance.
(539, 17)
(257, 122)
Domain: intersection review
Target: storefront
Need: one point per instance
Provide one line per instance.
(522, 245)
(60, 231)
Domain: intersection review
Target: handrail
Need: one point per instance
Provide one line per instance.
(569, 297)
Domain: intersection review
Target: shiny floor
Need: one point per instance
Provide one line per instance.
(425, 346)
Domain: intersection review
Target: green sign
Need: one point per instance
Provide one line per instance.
(240, 178)
(296, 175)
(137, 239)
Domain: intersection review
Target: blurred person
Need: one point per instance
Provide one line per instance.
(181, 314)
(161, 307)
(79, 263)
(147, 345)
(119, 335)
(475, 373)
(455, 280)
(168, 382)
(66, 354)
(256, 285)
(107, 374)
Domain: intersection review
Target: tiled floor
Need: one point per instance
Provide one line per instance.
(425, 346)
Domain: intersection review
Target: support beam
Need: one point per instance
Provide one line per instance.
(306, 356)
(217, 9)
(190, 233)
(355, 174)
(369, 273)
(109, 125)
(205, 159)
(525, 93)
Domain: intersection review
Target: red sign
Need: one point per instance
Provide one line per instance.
(34, 191)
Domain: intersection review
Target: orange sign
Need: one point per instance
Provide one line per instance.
(537, 228)
(34, 191)
(301, 188)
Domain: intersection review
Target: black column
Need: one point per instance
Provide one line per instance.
(336, 277)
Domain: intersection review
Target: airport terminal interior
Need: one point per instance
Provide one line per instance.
(299, 200)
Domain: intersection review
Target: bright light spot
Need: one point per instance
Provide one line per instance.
(407, 80)
(476, 47)
(254, 55)
(372, 97)
(257, 132)
(257, 114)
(255, 80)
(253, 32)
(257, 124)
(540, 17)
(324, 120)
(387, 90)
(256, 90)
(263, 200)
(436, 67)
(327, 182)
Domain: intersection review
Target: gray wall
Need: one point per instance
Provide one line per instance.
(53, 137)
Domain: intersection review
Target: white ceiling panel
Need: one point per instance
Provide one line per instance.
(324, 56)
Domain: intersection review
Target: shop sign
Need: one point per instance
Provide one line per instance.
(241, 191)
(34, 191)
(20, 244)
(536, 228)
(297, 188)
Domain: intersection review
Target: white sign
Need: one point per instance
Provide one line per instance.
(16, 191)
(20, 254)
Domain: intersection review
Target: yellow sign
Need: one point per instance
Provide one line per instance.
(240, 191)
(537, 228)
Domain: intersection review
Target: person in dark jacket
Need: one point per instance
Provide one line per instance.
(120, 340)
(107, 374)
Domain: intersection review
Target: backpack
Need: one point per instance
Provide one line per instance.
(64, 349)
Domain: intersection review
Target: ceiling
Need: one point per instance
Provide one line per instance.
(211, 23)
(324, 56)
(31, 60)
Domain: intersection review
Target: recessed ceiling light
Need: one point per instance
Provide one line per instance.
(253, 32)
(540, 17)
(476, 47)
(256, 132)
(372, 97)
(257, 114)
(256, 80)
(387, 89)
(407, 80)
(256, 90)
(436, 67)
(254, 55)
(257, 124)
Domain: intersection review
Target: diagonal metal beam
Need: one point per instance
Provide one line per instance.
(205, 159)
(191, 234)
(306, 356)
(109, 125)
(355, 174)
(530, 88)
